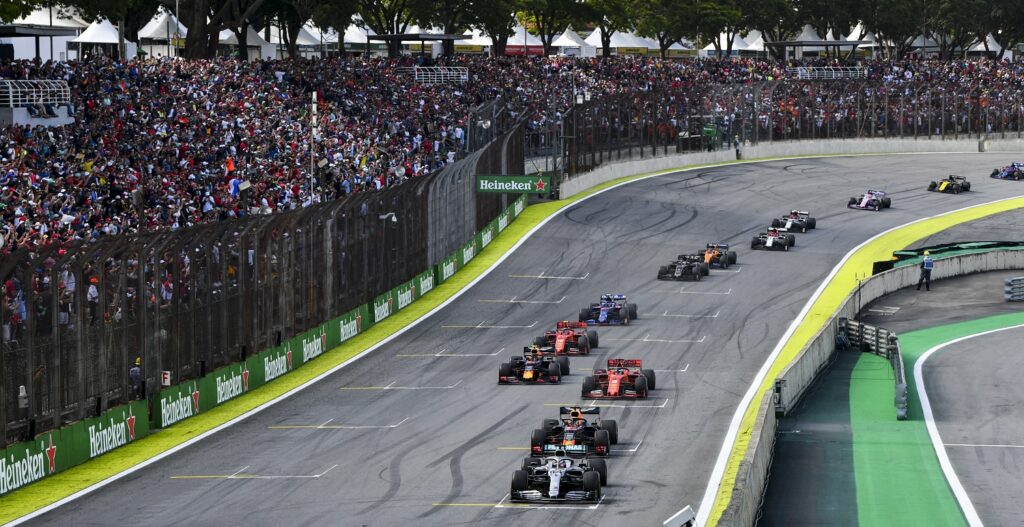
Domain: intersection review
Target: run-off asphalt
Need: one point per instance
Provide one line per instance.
(459, 433)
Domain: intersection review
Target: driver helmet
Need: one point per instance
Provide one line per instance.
(564, 463)
(794, 214)
(535, 350)
(773, 232)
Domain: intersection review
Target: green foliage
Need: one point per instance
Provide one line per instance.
(14, 9)
(549, 18)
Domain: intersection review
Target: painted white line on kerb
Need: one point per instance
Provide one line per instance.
(542, 276)
(718, 472)
(488, 326)
(401, 331)
(966, 506)
(515, 300)
(975, 445)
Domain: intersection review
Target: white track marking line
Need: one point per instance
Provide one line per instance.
(515, 300)
(393, 387)
(933, 430)
(974, 445)
(487, 326)
(238, 472)
(647, 338)
(443, 354)
(542, 276)
(718, 472)
(387, 340)
(630, 450)
(671, 315)
(683, 291)
(675, 371)
(325, 426)
(239, 476)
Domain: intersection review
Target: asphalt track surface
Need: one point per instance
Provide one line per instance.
(419, 433)
(975, 391)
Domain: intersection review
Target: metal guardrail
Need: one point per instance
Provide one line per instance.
(23, 93)
(438, 74)
(884, 343)
(828, 73)
(1013, 289)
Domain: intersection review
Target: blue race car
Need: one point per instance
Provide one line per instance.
(611, 310)
(1014, 171)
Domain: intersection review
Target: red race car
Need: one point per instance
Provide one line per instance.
(568, 338)
(624, 378)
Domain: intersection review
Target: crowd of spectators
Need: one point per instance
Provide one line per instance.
(169, 144)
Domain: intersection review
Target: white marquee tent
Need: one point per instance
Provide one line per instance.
(258, 48)
(738, 45)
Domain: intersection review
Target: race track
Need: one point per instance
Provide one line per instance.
(419, 433)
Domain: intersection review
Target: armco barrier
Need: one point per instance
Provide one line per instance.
(794, 380)
(57, 450)
(610, 171)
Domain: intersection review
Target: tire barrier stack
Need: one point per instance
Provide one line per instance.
(883, 343)
(1013, 289)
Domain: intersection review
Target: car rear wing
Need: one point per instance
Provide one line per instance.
(592, 410)
(565, 324)
(610, 297)
(625, 363)
(716, 245)
(528, 351)
(801, 212)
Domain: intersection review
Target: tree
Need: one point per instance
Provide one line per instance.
(392, 17)
(11, 10)
(497, 20)
(715, 18)
(128, 15)
(336, 14)
(452, 16)
(549, 18)
(888, 19)
(666, 21)
(777, 20)
(609, 16)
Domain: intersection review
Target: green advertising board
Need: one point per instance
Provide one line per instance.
(513, 184)
(383, 306)
(468, 251)
(518, 206)
(230, 382)
(486, 236)
(447, 267)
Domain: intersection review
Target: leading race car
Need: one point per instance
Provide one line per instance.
(574, 434)
(951, 185)
(559, 478)
(685, 267)
(871, 200)
(1014, 171)
(611, 310)
(534, 367)
(774, 239)
(796, 220)
(624, 379)
(568, 338)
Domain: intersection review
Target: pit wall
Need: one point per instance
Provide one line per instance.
(766, 150)
(800, 374)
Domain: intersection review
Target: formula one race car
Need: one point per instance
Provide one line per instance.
(773, 238)
(871, 200)
(624, 378)
(717, 254)
(952, 185)
(533, 368)
(568, 338)
(574, 434)
(796, 220)
(559, 478)
(1014, 171)
(611, 310)
(686, 267)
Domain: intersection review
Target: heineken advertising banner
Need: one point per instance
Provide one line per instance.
(424, 283)
(513, 184)
(347, 326)
(183, 401)
(503, 220)
(383, 306)
(518, 206)
(405, 294)
(468, 251)
(59, 450)
(486, 236)
(230, 382)
(448, 267)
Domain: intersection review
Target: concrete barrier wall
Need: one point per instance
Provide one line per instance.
(752, 476)
(635, 165)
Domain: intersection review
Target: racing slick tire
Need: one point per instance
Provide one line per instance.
(698, 274)
(651, 383)
(853, 201)
(732, 257)
(791, 240)
(592, 337)
(548, 424)
(785, 247)
(555, 371)
(589, 384)
(663, 272)
(704, 269)
(538, 438)
(812, 223)
(878, 206)
(584, 314)
(932, 186)
(521, 480)
(755, 242)
(530, 462)
(886, 203)
(591, 483)
(583, 344)
(612, 426)
(624, 315)
(601, 439)
(967, 186)
(563, 365)
(505, 370)
(540, 341)
(641, 387)
(601, 468)
(632, 311)
(776, 223)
